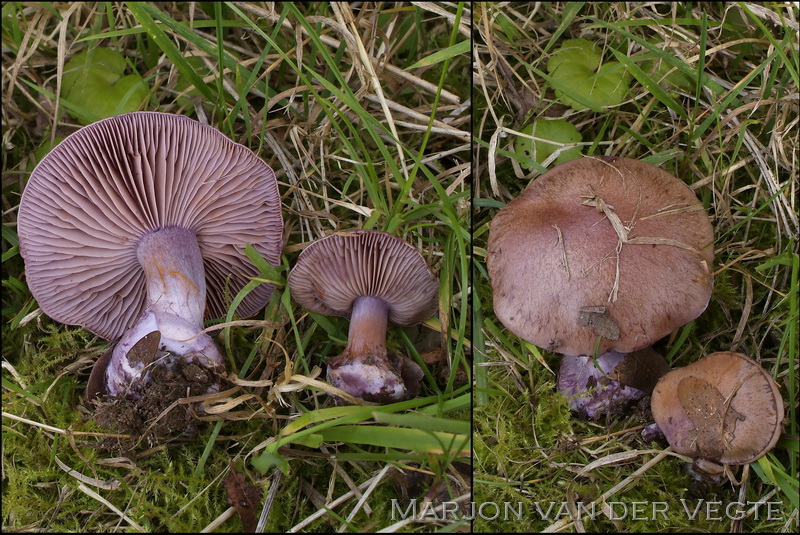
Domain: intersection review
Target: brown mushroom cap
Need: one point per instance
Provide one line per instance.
(331, 273)
(724, 407)
(560, 277)
(92, 198)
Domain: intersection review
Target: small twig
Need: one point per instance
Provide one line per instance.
(736, 520)
(449, 131)
(217, 522)
(66, 432)
(375, 480)
(493, 162)
(327, 508)
(610, 435)
(105, 485)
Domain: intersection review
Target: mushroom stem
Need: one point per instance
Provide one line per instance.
(173, 266)
(621, 379)
(176, 295)
(368, 323)
(364, 369)
(592, 392)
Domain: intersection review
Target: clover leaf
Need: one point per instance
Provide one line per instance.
(94, 87)
(558, 131)
(579, 83)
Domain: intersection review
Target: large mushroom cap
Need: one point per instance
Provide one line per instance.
(724, 407)
(89, 201)
(331, 273)
(562, 276)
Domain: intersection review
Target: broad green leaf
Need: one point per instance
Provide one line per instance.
(93, 81)
(576, 52)
(552, 136)
(579, 83)
(266, 461)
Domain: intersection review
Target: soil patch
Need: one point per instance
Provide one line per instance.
(157, 414)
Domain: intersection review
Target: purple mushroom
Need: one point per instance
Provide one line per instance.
(134, 228)
(375, 279)
(622, 379)
(724, 409)
(601, 254)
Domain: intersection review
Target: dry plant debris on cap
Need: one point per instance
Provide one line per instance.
(729, 136)
(354, 142)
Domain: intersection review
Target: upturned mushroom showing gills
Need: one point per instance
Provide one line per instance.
(374, 279)
(134, 227)
(724, 408)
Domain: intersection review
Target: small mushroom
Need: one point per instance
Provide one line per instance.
(622, 379)
(724, 408)
(374, 279)
(600, 250)
(134, 227)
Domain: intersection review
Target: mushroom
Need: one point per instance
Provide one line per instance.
(134, 227)
(723, 409)
(600, 254)
(621, 379)
(374, 279)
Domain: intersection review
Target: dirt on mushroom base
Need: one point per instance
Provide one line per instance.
(158, 414)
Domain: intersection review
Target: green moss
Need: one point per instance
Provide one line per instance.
(528, 455)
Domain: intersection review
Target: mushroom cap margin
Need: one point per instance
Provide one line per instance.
(755, 396)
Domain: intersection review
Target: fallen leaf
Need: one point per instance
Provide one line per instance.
(243, 497)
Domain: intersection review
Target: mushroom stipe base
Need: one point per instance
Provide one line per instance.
(157, 412)
(376, 378)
